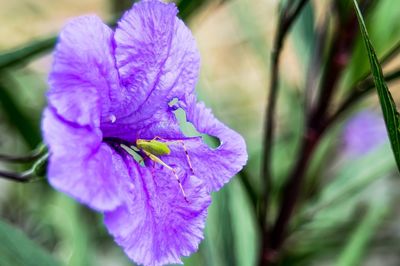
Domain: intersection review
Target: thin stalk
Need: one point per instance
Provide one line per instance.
(285, 21)
(32, 156)
(315, 66)
(338, 58)
(25, 53)
(389, 56)
(359, 92)
(245, 179)
(36, 172)
(24, 177)
(293, 188)
(365, 85)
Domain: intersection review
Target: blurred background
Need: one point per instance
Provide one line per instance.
(348, 212)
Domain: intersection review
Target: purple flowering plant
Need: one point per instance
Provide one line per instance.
(109, 90)
(364, 132)
(115, 137)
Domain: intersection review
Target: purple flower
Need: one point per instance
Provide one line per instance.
(364, 132)
(111, 88)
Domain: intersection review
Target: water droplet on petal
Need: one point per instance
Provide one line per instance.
(113, 118)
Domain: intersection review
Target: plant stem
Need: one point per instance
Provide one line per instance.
(338, 58)
(315, 66)
(248, 187)
(285, 21)
(33, 156)
(293, 188)
(393, 52)
(25, 53)
(366, 84)
(18, 177)
(360, 90)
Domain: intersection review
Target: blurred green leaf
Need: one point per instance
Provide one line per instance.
(334, 212)
(392, 117)
(227, 235)
(356, 247)
(18, 250)
(251, 29)
(25, 53)
(286, 145)
(353, 178)
(28, 129)
(244, 225)
(384, 23)
(321, 160)
(218, 225)
(231, 236)
(65, 214)
(304, 34)
(188, 7)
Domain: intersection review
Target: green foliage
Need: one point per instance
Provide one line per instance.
(26, 53)
(392, 117)
(66, 216)
(356, 247)
(382, 29)
(343, 203)
(304, 34)
(16, 114)
(188, 7)
(18, 250)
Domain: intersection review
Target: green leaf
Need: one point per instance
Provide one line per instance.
(188, 7)
(65, 215)
(251, 30)
(390, 114)
(304, 33)
(220, 240)
(16, 249)
(25, 53)
(358, 243)
(231, 234)
(340, 198)
(14, 113)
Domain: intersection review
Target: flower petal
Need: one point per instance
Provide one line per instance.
(84, 72)
(159, 226)
(365, 123)
(215, 166)
(156, 55)
(79, 163)
(162, 123)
